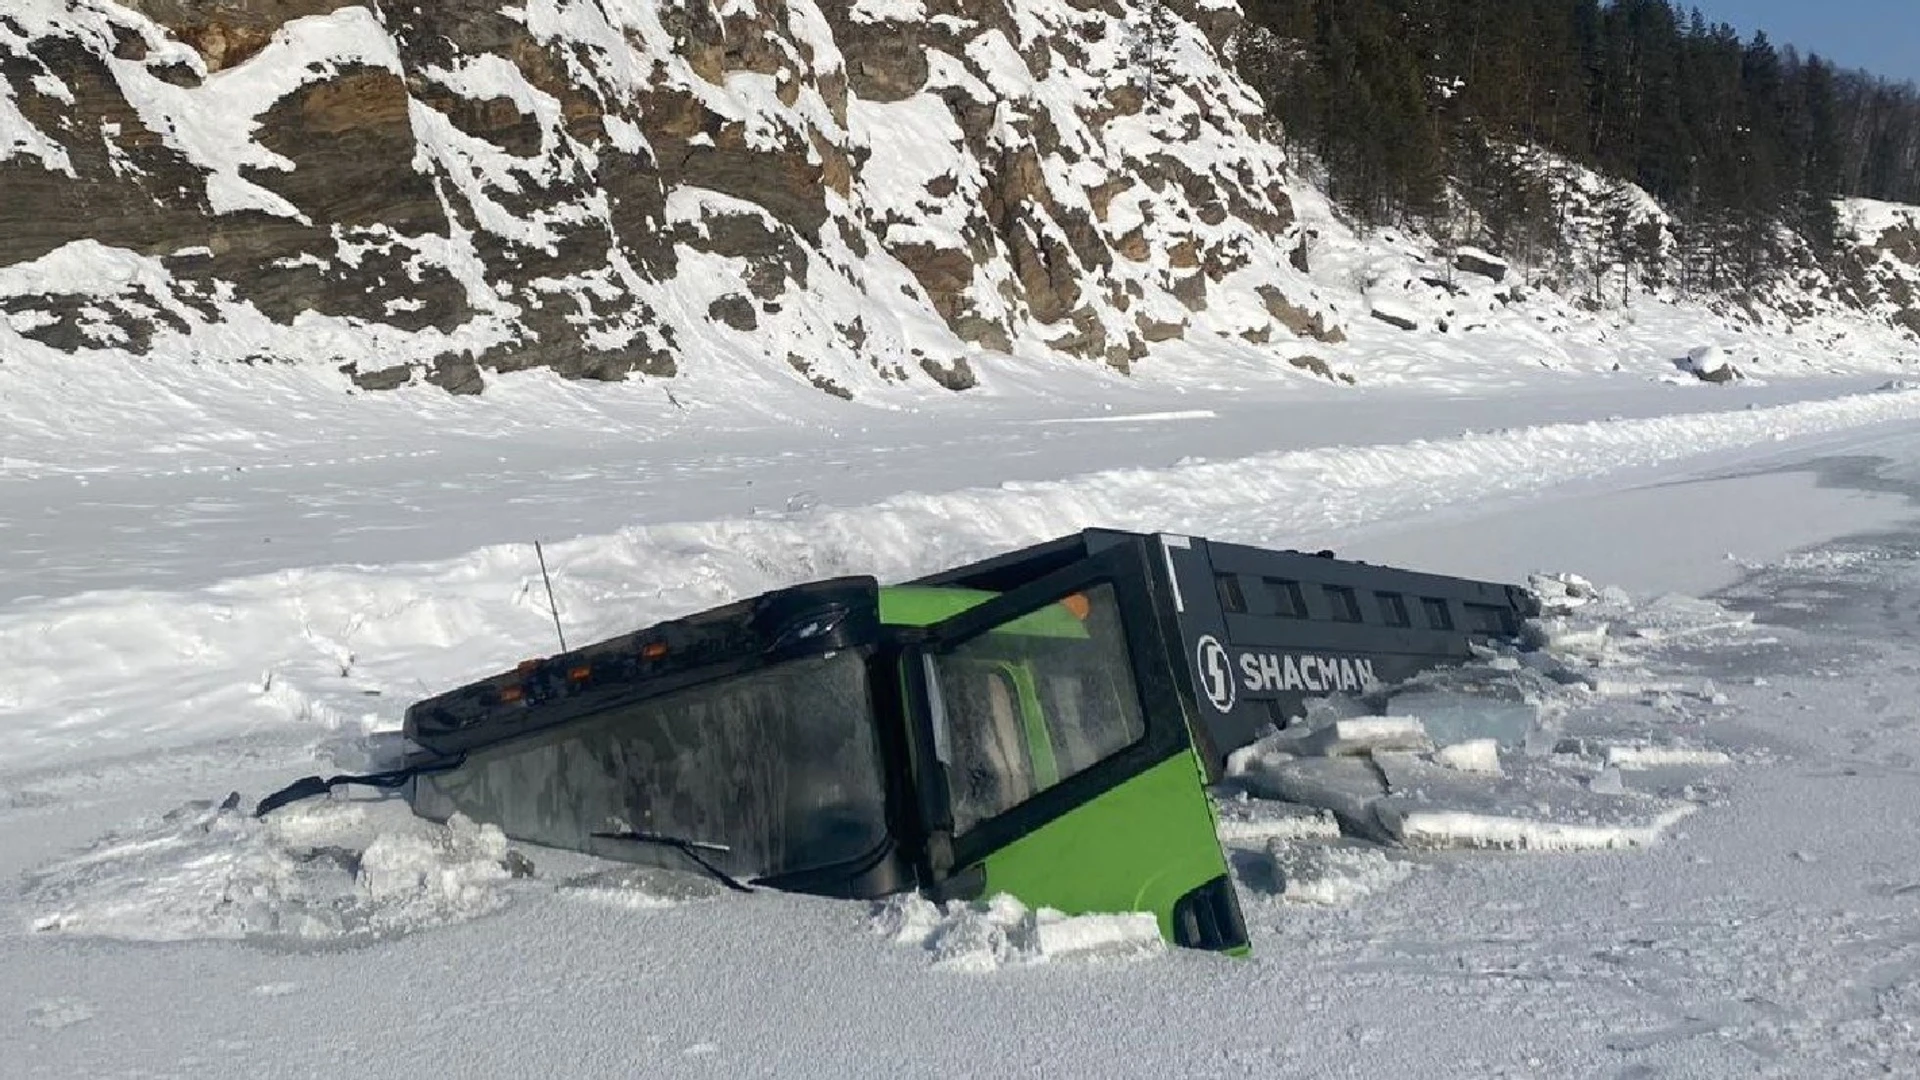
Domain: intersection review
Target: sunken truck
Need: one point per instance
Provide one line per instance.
(1043, 724)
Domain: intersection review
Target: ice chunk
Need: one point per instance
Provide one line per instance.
(999, 932)
(1533, 807)
(1404, 798)
(1362, 735)
(1561, 593)
(1057, 936)
(1474, 755)
(1450, 717)
(1254, 821)
(1346, 787)
(1655, 757)
(1464, 829)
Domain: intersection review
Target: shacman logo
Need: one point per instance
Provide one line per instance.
(1216, 673)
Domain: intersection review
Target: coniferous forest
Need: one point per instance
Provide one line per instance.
(1745, 142)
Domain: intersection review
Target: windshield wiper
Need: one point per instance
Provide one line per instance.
(690, 848)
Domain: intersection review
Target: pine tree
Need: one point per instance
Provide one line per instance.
(1403, 102)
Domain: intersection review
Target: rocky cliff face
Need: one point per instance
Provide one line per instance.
(848, 192)
(1882, 265)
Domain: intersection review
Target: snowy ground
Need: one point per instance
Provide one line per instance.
(190, 614)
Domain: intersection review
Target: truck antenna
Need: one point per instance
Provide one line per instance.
(551, 606)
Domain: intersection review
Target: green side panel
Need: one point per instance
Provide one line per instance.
(1139, 847)
(920, 605)
(916, 605)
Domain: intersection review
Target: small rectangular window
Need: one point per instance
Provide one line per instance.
(1231, 598)
(1438, 616)
(1393, 609)
(1288, 601)
(1487, 619)
(1342, 604)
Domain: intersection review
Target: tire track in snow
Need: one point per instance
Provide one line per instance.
(198, 664)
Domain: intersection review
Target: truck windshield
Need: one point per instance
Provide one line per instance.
(1034, 701)
(778, 767)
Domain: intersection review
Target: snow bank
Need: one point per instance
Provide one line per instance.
(345, 648)
(316, 872)
(1002, 932)
(319, 872)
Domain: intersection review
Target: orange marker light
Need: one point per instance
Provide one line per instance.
(653, 650)
(511, 694)
(580, 674)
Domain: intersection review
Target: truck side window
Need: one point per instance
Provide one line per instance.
(1034, 701)
(1288, 601)
(1343, 604)
(1393, 609)
(1232, 599)
(1487, 619)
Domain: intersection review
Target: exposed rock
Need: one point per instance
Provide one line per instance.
(1153, 330)
(1902, 242)
(1100, 196)
(820, 382)
(1298, 320)
(886, 61)
(1048, 276)
(461, 187)
(956, 376)
(230, 33)
(1321, 368)
(1487, 266)
(1396, 318)
(384, 379)
(735, 311)
(984, 332)
(1191, 290)
(457, 375)
(1297, 258)
(1710, 364)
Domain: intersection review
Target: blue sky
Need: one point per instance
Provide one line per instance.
(1882, 36)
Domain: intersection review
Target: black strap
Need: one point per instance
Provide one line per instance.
(308, 786)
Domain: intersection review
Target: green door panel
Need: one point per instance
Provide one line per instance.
(1137, 847)
(1054, 757)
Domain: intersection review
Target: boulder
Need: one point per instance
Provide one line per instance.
(1475, 261)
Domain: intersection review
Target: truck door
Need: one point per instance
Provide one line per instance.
(1055, 761)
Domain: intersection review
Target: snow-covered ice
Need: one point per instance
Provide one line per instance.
(1735, 769)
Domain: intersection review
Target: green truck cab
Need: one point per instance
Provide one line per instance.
(1043, 723)
(845, 739)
